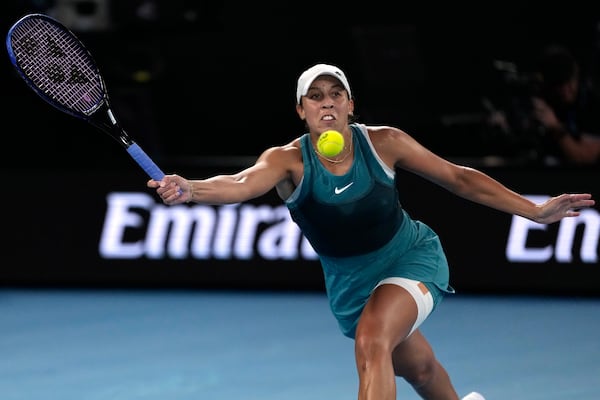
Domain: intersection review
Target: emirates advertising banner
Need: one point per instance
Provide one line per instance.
(90, 228)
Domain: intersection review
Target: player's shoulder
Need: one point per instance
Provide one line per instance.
(289, 151)
(383, 132)
(390, 143)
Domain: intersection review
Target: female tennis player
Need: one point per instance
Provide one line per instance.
(384, 271)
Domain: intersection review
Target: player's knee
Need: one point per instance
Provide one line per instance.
(417, 374)
(369, 348)
(414, 361)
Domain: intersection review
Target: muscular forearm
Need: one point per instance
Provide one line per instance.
(481, 188)
(223, 189)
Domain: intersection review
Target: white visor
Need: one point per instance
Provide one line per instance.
(308, 76)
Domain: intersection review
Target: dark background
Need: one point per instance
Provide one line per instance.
(220, 76)
(204, 87)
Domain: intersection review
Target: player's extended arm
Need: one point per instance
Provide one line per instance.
(249, 183)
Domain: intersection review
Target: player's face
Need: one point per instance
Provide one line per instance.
(326, 105)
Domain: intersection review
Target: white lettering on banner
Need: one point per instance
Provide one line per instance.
(118, 218)
(517, 250)
(236, 231)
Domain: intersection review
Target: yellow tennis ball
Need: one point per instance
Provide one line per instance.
(330, 143)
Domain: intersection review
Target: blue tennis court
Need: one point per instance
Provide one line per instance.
(191, 344)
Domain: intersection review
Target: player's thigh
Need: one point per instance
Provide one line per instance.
(390, 313)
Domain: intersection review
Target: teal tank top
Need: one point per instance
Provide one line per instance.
(349, 214)
(356, 224)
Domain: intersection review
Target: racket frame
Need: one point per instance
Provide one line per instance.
(100, 115)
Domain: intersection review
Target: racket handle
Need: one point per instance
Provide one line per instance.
(145, 162)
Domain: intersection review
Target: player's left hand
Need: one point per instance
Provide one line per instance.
(565, 205)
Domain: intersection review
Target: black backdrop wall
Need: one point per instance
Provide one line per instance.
(181, 72)
(205, 86)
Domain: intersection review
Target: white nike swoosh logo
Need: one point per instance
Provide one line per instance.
(340, 190)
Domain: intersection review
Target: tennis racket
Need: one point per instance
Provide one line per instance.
(59, 68)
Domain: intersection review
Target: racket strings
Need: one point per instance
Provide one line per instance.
(58, 65)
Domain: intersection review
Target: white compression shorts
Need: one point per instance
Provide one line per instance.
(419, 292)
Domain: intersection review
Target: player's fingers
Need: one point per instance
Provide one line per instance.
(581, 200)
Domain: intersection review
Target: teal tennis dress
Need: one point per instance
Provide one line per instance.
(360, 231)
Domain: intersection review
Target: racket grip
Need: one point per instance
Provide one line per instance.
(136, 152)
